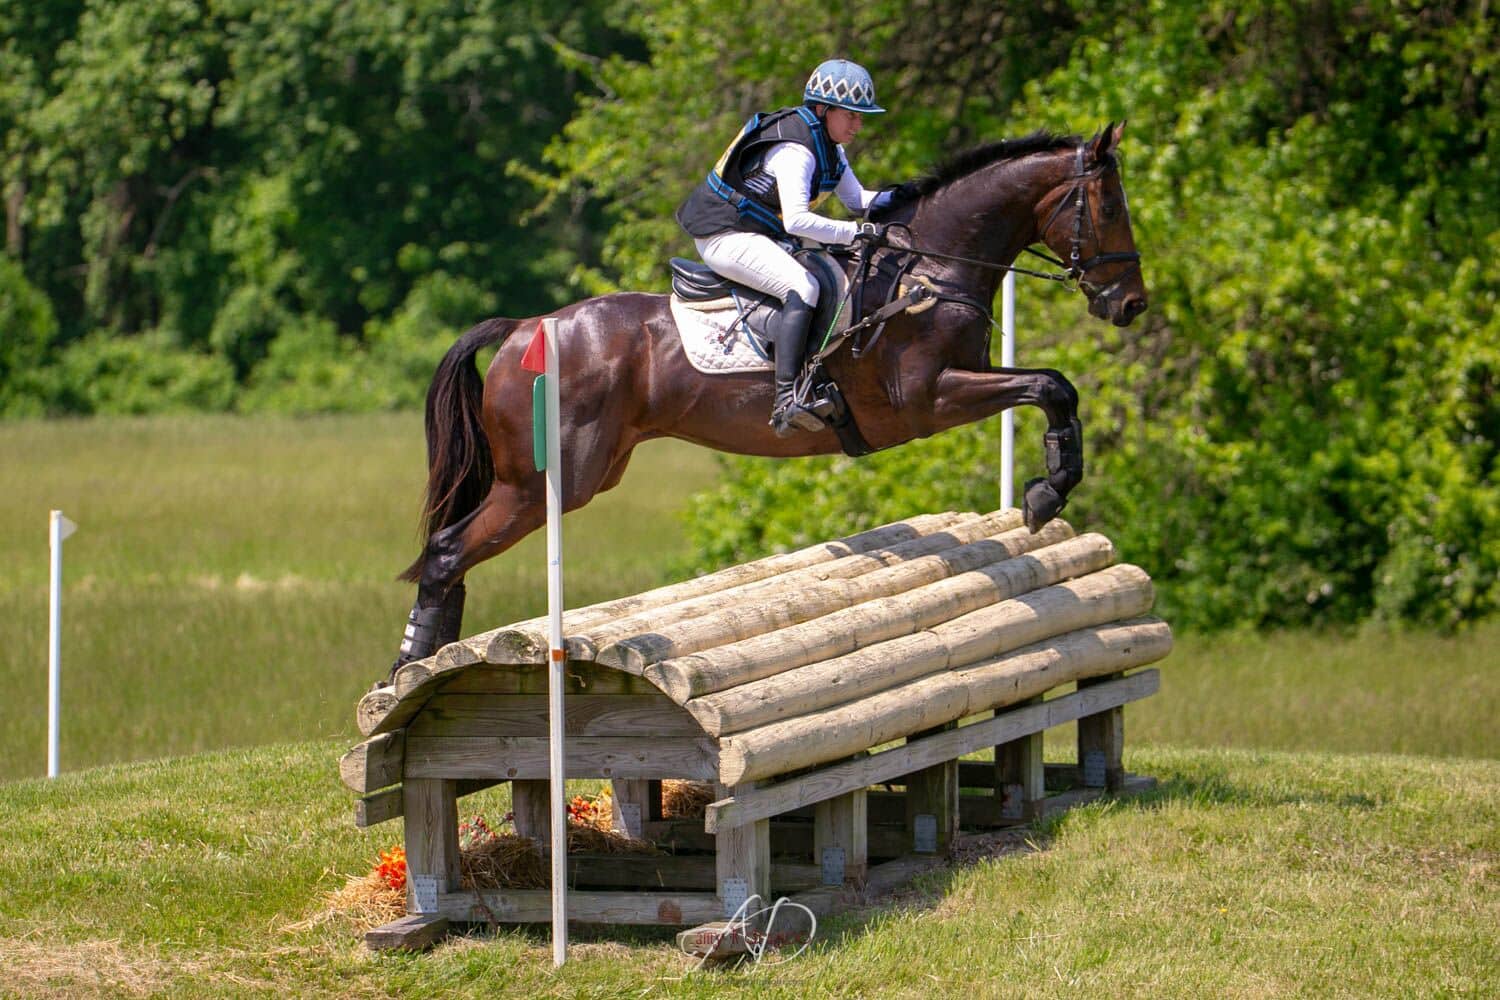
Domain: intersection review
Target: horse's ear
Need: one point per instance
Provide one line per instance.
(1105, 142)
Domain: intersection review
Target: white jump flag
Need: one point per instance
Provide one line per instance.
(59, 528)
(1008, 417)
(546, 413)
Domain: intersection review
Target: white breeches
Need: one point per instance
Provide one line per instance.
(757, 261)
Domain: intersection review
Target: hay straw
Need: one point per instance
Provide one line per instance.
(685, 799)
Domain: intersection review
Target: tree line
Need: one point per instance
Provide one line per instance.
(226, 204)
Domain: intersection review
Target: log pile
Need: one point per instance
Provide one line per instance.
(810, 656)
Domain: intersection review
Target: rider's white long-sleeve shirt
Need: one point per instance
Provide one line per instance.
(792, 165)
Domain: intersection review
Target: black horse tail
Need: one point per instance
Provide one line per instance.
(460, 470)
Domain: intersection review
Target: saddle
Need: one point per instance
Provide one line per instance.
(701, 289)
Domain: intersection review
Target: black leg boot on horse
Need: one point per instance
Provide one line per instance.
(788, 415)
(1045, 498)
(429, 628)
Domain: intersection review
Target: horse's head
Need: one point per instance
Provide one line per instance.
(1088, 226)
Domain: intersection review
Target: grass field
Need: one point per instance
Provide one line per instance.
(230, 585)
(1247, 874)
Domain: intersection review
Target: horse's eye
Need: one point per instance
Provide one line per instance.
(1110, 210)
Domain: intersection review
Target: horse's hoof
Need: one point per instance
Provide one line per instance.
(1040, 504)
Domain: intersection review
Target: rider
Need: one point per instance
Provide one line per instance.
(760, 197)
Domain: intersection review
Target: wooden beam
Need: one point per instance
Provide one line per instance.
(728, 666)
(651, 873)
(374, 764)
(632, 806)
(643, 716)
(632, 644)
(932, 798)
(1110, 595)
(742, 862)
(432, 865)
(534, 906)
(1101, 738)
(888, 765)
(1019, 776)
(841, 834)
(531, 811)
(524, 757)
(413, 932)
(820, 736)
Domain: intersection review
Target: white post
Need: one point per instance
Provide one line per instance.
(555, 678)
(1007, 418)
(58, 528)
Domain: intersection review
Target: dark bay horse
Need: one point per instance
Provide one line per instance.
(626, 379)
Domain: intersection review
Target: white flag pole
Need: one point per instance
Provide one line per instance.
(557, 656)
(58, 528)
(1007, 418)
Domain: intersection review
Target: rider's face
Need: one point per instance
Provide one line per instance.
(843, 124)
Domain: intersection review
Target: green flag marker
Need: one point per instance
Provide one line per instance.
(539, 422)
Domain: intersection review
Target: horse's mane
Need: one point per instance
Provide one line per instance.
(965, 163)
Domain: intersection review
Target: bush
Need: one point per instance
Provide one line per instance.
(108, 375)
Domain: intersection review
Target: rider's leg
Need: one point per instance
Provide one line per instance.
(757, 261)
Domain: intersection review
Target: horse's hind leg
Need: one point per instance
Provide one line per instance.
(505, 516)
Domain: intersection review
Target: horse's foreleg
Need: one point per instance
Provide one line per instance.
(505, 516)
(965, 396)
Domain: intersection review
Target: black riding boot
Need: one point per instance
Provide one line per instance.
(790, 340)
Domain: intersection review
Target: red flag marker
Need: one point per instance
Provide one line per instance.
(535, 358)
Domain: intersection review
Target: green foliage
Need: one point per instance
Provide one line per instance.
(27, 327)
(108, 375)
(1304, 428)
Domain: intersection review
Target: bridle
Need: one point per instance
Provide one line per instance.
(1078, 270)
(1074, 270)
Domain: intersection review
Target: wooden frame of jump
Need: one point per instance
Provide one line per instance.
(806, 820)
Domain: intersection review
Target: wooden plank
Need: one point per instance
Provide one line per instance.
(531, 811)
(638, 715)
(1101, 733)
(413, 932)
(742, 854)
(378, 808)
(932, 791)
(373, 764)
(788, 839)
(534, 906)
(887, 765)
(524, 757)
(431, 813)
(1019, 778)
(842, 825)
(819, 736)
(650, 873)
(581, 678)
(632, 806)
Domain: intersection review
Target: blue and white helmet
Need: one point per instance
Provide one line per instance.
(842, 84)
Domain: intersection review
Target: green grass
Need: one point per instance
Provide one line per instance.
(1246, 874)
(232, 580)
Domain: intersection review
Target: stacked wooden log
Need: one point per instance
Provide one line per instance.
(811, 656)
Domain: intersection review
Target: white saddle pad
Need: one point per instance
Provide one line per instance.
(716, 340)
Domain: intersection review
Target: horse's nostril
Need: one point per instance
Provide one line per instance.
(1134, 306)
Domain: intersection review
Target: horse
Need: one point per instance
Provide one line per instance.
(626, 378)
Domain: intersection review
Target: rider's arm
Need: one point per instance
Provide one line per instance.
(792, 165)
(855, 196)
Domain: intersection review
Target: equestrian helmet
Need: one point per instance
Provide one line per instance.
(842, 84)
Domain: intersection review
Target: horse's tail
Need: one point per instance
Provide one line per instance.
(460, 470)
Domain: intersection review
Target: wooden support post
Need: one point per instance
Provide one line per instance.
(431, 813)
(531, 810)
(632, 805)
(932, 792)
(653, 801)
(742, 864)
(1101, 743)
(1020, 781)
(841, 838)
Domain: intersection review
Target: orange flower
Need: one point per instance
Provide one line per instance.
(392, 867)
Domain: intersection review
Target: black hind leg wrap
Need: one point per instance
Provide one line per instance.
(423, 627)
(453, 615)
